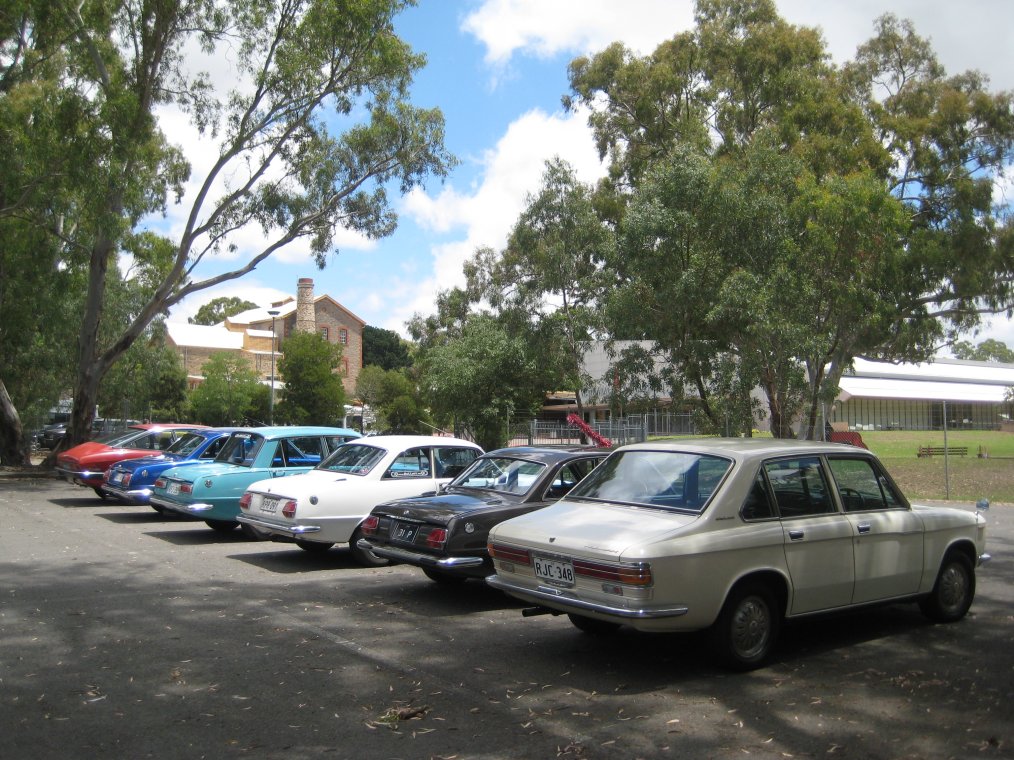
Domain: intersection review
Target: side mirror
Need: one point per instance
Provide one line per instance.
(982, 505)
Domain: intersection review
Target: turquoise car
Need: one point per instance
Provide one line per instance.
(211, 492)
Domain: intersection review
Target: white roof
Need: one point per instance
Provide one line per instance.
(204, 336)
(260, 314)
(941, 380)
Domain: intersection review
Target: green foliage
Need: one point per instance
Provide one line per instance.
(317, 131)
(314, 394)
(150, 382)
(988, 351)
(218, 309)
(226, 395)
(385, 349)
(394, 398)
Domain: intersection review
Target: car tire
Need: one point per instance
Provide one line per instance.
(594, 626)
(443, 577)
(747, 627)
(158, 508)
(953, 591)
(364, 558)
(314, 547)
(100, 493)
(251, 532)
(222, 526)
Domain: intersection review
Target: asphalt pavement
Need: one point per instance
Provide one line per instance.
(127, 634)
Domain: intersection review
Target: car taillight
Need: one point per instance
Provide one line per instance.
(126, 479)
(160, 483)
(244, 500)
(509, 554)
(186, 487)
(630, 575)
(289, 510)
(437, 538)
(369, 525)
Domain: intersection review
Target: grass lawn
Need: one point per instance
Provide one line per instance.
(971, 477)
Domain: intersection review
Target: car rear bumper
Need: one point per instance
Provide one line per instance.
(88, 478)
(274, 529)
(564, 600)
(131, 495)
(420, 560)
(196, 509)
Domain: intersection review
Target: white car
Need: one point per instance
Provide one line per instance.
(735, 536)
(324, 506)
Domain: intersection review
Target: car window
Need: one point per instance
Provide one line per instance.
(301, 451)
(504, 474)
(165, 439)
(451, 461)
(859, 485)
(186, 444)
(216, 446)
(353, 459)
(758, 504)
(679, 480)
(241, 449)
(570, 475)
(799, 487)
(411, 463)
(334, 441)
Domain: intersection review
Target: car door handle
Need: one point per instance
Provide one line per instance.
(796, 535)
(863, 527)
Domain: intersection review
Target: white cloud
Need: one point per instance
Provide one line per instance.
(513, 170)
(245, 288)
(581, 26)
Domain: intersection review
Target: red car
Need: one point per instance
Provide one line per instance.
(85, 464)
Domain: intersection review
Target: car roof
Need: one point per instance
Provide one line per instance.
(166, 426)
(278, 431)
(393, 441)
(748, 448)
(548, 454)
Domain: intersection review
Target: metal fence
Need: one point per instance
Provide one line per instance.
(619, 430)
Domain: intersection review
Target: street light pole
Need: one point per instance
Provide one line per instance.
(271, 404)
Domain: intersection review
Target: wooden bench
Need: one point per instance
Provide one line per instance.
(931, 451)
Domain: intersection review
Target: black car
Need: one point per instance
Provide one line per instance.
(445, 534)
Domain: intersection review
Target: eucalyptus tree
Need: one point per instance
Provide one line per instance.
(311, 136)
(839, 212)
(218, 309)
(314, 392)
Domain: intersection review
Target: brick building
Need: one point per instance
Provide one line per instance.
(251, 334)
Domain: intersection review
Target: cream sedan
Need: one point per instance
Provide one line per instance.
(324, 506)
(736, 536)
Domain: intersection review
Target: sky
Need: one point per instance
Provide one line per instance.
(497, 69)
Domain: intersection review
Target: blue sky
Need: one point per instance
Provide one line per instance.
(498, 69)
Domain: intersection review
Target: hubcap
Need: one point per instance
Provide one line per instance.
(751, 627)
(953, 587)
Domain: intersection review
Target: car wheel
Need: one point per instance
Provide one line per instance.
(222, 526)
(364, 558)
(100, 494)
(158, 508)
(953, 592)
(443, 577)
(315, 547)
(747, 627)
(593, 626)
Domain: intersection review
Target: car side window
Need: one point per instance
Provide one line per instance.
(411, 463)
(451, 461)
(569, 476)
(165, 439)
(799, 487)
(859, 486)
(214, 447)
(758, 504)
(298, 452)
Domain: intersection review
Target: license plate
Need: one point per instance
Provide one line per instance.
(403, 532)
(554, 571)
(117, 477)
(173, 489)
(269, 505)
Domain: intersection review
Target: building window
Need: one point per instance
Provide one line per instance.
(324, 333)
(343, 336)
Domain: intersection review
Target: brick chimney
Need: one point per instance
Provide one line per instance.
(306, 314)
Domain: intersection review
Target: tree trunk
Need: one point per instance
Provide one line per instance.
(14, 450)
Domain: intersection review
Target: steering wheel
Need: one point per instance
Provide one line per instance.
(851, 499)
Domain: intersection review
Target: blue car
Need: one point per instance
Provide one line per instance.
(131, 480)
(211, 491)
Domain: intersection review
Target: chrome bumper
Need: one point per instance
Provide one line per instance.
(422, 560)
(564, 600)
(78, 476)
(194, 510)
(290, 531)
(133, 496)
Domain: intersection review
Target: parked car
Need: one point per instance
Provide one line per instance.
(736, 536)
(325, 506)
(131, 480)
(211, 492)
(51, 435)
(446, 534)
(86, 463)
